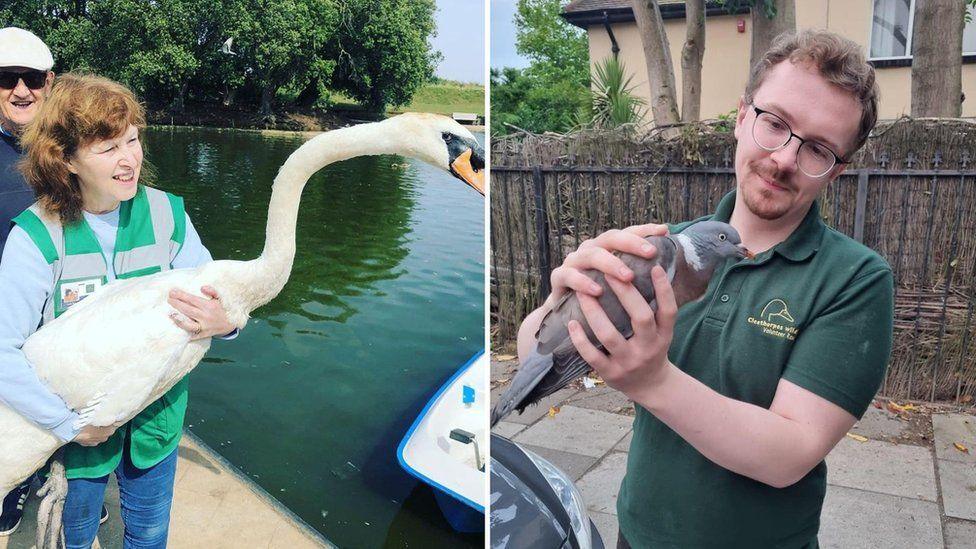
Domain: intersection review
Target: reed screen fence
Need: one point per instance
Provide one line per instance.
(918, 212)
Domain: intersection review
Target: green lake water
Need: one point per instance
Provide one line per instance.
(385, 302)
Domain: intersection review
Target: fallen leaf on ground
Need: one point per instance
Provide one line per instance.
(896, 408)
(553, 410)
(877, 404)
(961, 448)
(966, 399)
(505, 357)
(858, 438)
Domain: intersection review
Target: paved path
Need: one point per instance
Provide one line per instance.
(879, 494)
(214, 507)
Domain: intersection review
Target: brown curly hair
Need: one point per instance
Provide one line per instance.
(81, 109)
(840, 61)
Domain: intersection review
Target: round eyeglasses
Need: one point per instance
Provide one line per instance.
(772, 133)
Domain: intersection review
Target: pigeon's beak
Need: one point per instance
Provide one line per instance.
(469, 167)
(745, 252)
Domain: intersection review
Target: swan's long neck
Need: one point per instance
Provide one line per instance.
(265, 276)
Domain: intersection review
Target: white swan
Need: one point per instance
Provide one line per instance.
(118, 351)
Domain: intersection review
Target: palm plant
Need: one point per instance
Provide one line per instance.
(614, 103)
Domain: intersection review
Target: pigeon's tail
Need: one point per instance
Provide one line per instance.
(530, 372)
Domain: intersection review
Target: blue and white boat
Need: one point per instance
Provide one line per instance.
(446, 447)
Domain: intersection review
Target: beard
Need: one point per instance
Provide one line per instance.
(765, 203)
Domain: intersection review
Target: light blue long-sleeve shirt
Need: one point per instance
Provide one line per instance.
(25, 284)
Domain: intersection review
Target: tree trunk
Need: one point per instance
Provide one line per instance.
(657, 56)
(691, 60)
(937, 58)
(764, 29)
(178, 103)
(229, 94)
(309, 95)
(267, 93)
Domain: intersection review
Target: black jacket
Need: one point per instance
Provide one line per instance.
(15, 194)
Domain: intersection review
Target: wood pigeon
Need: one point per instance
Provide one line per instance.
(689, 258)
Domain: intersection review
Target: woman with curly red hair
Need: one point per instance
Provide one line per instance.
(95, 222)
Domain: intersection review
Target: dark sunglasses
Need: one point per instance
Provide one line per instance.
(34, 80)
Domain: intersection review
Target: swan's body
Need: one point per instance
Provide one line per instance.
(118, 350)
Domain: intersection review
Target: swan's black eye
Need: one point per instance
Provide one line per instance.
(722, 237)
(446, 136)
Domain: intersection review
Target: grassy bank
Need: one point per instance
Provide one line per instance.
(447, 97)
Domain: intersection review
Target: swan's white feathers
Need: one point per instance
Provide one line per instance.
(118, 350)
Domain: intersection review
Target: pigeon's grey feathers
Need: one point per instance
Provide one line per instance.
(689, 259)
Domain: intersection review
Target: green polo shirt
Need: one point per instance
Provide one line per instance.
(817, 310)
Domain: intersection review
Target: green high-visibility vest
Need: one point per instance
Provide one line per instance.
(152, 227)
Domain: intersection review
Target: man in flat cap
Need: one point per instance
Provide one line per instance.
(25, 80)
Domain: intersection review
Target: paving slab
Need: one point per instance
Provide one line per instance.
(508, 429)
(611, 401)
(584, 394)
(895, 469)
(214, 506)
(624, 445)
(502, 368)
(577, 430)
(878, 423)
(607, 525)
(955, 428)
(958, 482)
(960, 534)
(535, 411)
(572, 464)
(601, 484)
(856, 519)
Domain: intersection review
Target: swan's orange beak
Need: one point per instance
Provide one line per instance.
(462, 168)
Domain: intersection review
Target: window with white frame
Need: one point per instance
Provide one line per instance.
(891, 30)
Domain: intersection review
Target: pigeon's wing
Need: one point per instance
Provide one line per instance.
(565, 368)
(554, 328)
(554, 332)
(641, 267)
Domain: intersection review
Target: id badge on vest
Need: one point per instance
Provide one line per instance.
(71, 292)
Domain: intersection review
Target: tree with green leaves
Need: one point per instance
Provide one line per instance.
(558, 51)
(551, 93)
(382, 53)
(528, 102)
(295, 51)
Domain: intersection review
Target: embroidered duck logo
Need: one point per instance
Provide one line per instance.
(777, 308)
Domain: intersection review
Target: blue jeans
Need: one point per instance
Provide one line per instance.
(146, 496)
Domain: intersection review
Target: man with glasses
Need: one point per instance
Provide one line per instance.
(25, 81)
(741, 395)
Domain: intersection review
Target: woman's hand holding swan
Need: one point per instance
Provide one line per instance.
(200, 316)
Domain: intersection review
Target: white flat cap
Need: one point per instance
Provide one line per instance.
(21, 48)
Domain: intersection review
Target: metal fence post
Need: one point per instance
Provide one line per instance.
(542, 232)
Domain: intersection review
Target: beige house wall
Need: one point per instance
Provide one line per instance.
(725, 66)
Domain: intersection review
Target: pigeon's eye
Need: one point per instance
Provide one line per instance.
(446, 136)
(722, 237)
